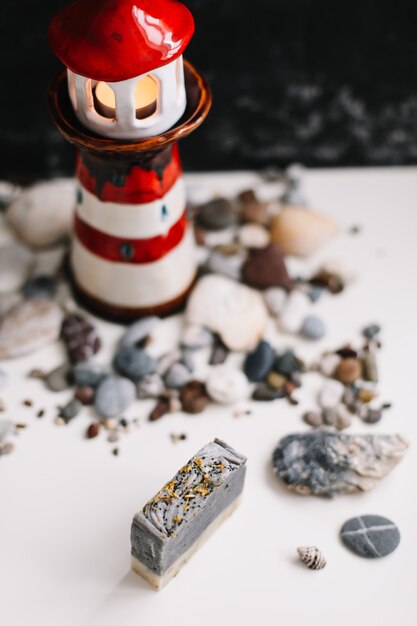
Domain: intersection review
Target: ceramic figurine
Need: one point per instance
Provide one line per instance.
(124, 100)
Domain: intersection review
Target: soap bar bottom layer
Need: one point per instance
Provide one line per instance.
(160, 581)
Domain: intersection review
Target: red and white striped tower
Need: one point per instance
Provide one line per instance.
(125, 100)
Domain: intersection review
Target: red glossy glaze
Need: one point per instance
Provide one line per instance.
(129, 250)
(114, 40)
(139, 185)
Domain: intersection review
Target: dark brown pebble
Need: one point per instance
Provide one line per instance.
(160, 409)
(21, 426)
(347, 352)
(40, 413)
(85, 395)
(328, 280)
(80, 337)
(115, 451)
(27, 402)
(265, 267)
(93, 430)
(194, 397)
(386, 405)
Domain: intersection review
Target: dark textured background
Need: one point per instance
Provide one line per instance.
(322, 82)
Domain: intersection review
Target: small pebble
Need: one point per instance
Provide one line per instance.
(85, 395)
(371, 331)
(138, 331)
(370, 368)
(328, 280)
(113, 437)
(89, 374)
(370, 536)
(344, 418)
(371, 416)
(115, 452)
(275, 299)
(150, 386)
(60, 378)
(134, 363)
(301, 231)
(253, 236)
(276, 381)
(93, 430)
(331, 394)
(40, 287)
(177, 376)
(329, 416)
(194, 397)
(366, 395)
(175, 438)
(160, 409)
(288, 363)
(80, 337)
(227, 385)
(113, 396)
(313, 419)
(217, 214)
(329, 363)
(312, 557)
(265, 268)
(348, 370)
(70, 410)
(259, 362)
(220, 264)
(196, 337)
(265, 393)
(313, 327)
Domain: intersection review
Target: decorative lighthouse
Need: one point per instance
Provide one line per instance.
(125, 99)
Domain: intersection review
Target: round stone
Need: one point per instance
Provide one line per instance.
(313, 419)
(259, 362)
(253, 236)
(138, 331)
(331, 394)
(348, 370)
(370, 536)
(113, 396)
(177, 376)
(89, 374)
(16, 262)
(41, 286)
(85, 395)
(134, 363)
(276, 381)
(196, 337)
(313, 327)
(227, 385)
(216, 214)
(193, 397)
(275, 299)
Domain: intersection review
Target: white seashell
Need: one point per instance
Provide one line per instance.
(300, 231)
(312, 557)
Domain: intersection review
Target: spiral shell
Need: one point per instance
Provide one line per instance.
(312, 557)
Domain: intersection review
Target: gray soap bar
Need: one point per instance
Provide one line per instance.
(169, 524)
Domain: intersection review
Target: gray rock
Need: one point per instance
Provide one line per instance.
(265, 393)
(313, 419)
(151, 386)
(216, 214)
(6, 429)
(42, 286)
(371, 331)
(327, 464)
(258, 363)
(138, 331)
(29, 326)
(313, 327)
(113, 396)
(177, 376)
(370, 536)
(220, 264)
(16, 262)
(288, 364)
(60, 378)
(70, 410)
(134, 363)
(196, 337)
(90, 374)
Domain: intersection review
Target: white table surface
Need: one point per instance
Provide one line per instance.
(67, 503)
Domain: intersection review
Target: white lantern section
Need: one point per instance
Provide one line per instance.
(133, 109)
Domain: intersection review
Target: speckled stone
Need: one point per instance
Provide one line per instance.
(216, 214)
(40, 287)
(177, 376)
(227, 385)
(259, 362)
(80, 337)
(134, 363)
(113, 396)
(370, 536)
(137, 331)
(265, 267)
(324, 463)
(313, 327)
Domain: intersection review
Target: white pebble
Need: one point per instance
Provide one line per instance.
(253, 236)
(328, 363)
(294, 312)
(331, 394)
(275, 299)
(227, 385)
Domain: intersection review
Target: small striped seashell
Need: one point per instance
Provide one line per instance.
(312, 557)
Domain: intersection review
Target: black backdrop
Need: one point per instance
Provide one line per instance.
(322, 82)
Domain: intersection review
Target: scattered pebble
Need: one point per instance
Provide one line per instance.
(175, 437)
(328, 280)
(217, 214)
(80, 337)
(276, 381)
(194, 397)
(89, 373)
(370, 368)
(70, 410)
(328, 363)
(195, 337)
(150, 386)
(331, 394)
(253, 236)
(294, 312)
(259, 362)
(288, 363)
(60, 378)
(227, 385)
(177, 376)
(275, 298)
(348, 370)
(313, 327)
(160, 409)
(265, 393)
(85, 395)
(93, 430)
(265, 268)
(370, 536)
(371, 331)
(113, 396)
(313, 419)
(134, 363)
(113, 436)
(217, 263)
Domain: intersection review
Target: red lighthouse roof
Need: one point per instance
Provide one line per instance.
(114, 40)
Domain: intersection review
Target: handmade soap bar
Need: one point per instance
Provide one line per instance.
(173, 525)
